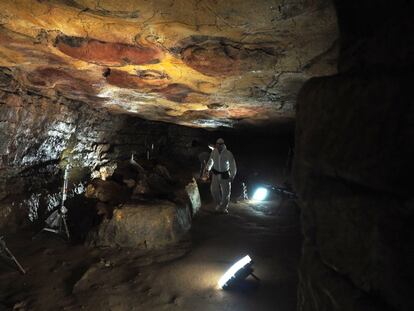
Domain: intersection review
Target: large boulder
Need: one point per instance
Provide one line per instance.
(143, 225)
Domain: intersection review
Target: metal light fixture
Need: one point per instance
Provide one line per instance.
(260, 194)
(238, 271)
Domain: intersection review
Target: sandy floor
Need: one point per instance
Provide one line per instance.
(183, 277)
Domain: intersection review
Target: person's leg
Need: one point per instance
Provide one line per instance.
(225, 186)
(202, 166)
(215, 189)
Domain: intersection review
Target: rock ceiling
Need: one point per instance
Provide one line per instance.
(205, 63)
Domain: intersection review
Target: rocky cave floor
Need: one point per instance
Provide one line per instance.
(183, 277)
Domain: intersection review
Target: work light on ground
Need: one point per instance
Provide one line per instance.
(237, 272)
(260, 194)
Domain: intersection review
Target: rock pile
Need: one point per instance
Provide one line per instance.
(142, 206)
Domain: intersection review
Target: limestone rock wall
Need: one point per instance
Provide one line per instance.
(40, 134)
(354, 166)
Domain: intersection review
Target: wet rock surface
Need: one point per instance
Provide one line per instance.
(40, 135)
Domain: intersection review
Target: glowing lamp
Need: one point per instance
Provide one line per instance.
(240, 270)
(260, 194)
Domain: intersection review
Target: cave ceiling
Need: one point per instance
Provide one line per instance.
(207, 63)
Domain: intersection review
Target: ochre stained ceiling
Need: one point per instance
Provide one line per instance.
(200, 63)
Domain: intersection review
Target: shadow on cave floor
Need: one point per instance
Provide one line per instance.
(182, 277)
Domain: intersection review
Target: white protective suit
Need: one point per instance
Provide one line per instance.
(221, 162)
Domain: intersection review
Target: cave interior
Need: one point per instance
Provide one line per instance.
(107, 112)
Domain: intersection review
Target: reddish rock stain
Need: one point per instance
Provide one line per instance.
(175, 92)
(108, 53)
(123, 79)
(211, 60)
(50, 77)
(218, 56)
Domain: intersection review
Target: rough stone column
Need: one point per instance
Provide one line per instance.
(354, 166)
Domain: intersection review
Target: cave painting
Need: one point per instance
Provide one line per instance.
(185, 62)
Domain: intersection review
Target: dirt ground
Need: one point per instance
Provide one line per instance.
(183, 277)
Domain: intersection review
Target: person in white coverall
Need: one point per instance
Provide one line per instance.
(223, 167)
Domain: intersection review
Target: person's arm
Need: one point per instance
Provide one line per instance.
(233, 167)
(208, 166)
(210, 162)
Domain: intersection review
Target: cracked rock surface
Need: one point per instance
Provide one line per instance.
(40, 134)
(196, 63)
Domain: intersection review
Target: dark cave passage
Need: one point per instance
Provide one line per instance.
(111, 199)
(131, 249)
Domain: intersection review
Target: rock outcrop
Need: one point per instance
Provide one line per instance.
(156, 211)
(143, 225)
(354, 165)
(40, 135)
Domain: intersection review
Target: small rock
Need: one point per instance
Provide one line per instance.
(103, 148)
(104, 210)
(162, 171)
(20, 306)
(48, 251)
(107, 171)
(142, 187)
(159, 185)
(125, 171)
(95, 175)
(129, 182)
(105, 263)
(106, 191)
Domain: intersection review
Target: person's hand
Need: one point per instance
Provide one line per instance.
(205, 176)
